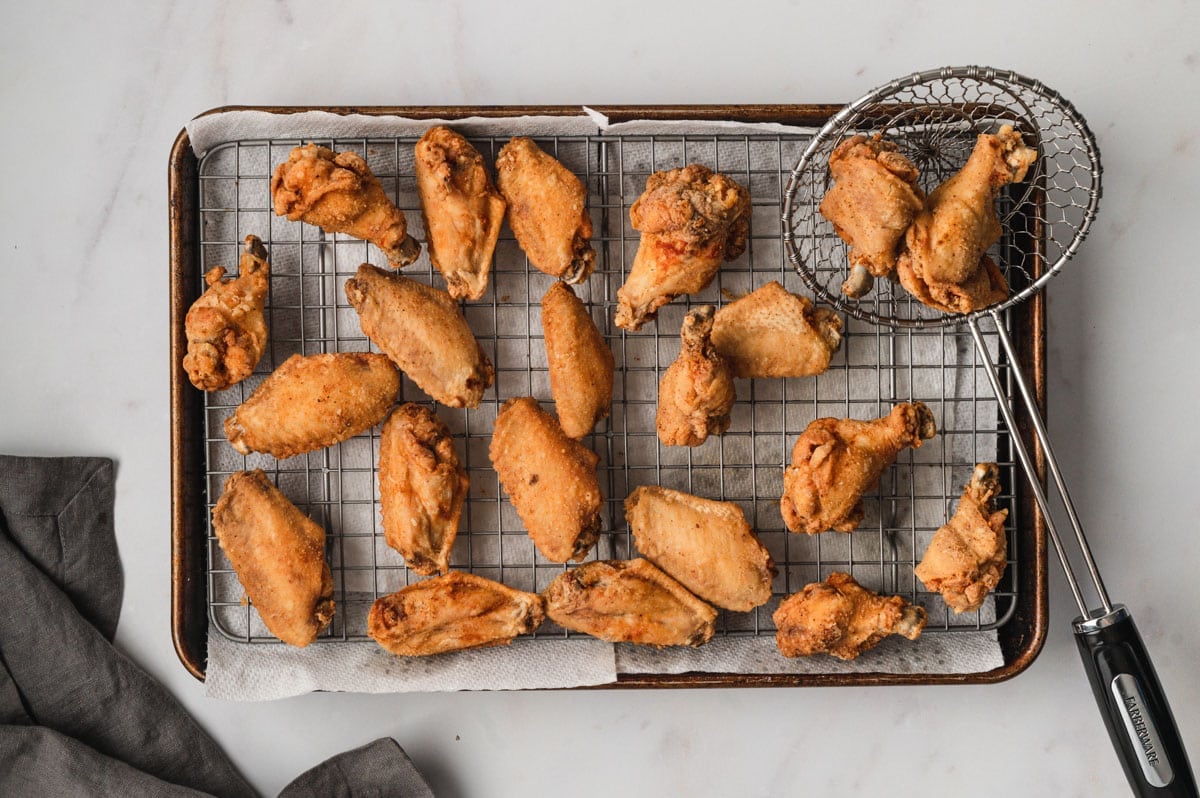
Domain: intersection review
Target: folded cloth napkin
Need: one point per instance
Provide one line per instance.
(78, 718)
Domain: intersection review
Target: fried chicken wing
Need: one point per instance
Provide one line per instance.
(339, 194)
(546, 210)
(842, 618)
(314, 401)
(695, 394)
(451, 613)
(462, 210)
(944, 263)
(966, 557)
(707, 545)
(629, 601)
(422, 487)
(226, 331)
(279, 555)
(691, 219)
(773, 333)
(873, 200)
(581, 364)
(424, 333)
(550, 479)
(836, 460)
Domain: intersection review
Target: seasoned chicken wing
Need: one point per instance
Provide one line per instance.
(842, 618)
(546, 210)
(695, 394)
(226, 331)
(944, 263)
(279, 555)
(629, 601)
(450, 613)
(707, 545)
(424, 333)
(691, 219)
(422, 487)
(581, 364)
(836, 460)
(550, 479)
(339, 194)
(773, 333)
(462, 210)
(966, 557)
(314, 401)
(873, 200)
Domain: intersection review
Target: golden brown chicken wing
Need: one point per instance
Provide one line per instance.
(546, 210)
(691, 219)
(581, 364)
(424, 333)
(226, 331)
(339, 194)
(966, 557)
(422, 487)
(462, 210)
(450, 613)
(707, 545)
(314, 401)
(842, 618)
(873, 200)
(279, 555)
(629, 602)
(836, 460)
(773, 333)
(550, 479)
(944, 262)
(695, 394)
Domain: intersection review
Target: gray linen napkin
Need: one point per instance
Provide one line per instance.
(78, 718)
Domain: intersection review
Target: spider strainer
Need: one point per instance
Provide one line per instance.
(934, 118)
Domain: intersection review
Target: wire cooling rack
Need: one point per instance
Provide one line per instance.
(338, 487)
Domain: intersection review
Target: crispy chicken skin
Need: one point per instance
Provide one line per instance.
(873, 200)
(707, 545)
(773, 333)
(450, 613)
(581, 364)
(422, 487)
(842, 618)
(966, 557)
(424, 333)
(339, 194)
(550, 479)
(944, 262)
(691, 219)
(314, 401)
(629, 601)
(546, 210)
(462, 210)
(279, 555)
(695, 394)
(836, 460)
(226, 331)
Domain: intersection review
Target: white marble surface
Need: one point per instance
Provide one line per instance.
(94, 93)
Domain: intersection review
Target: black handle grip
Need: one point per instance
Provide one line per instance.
(1134, 706)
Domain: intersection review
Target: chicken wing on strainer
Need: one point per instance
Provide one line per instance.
(696, 393)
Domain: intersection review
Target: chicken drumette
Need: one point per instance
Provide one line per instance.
(691, 219)
(339, 194)
(226, 331)
(773, 333)
(842, 618)
(696, 392)
(966, 557)
(943, 262)
(836, 460)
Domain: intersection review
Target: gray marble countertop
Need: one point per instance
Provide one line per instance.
(94, 94)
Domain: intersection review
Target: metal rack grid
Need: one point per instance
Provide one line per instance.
(308, 313)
